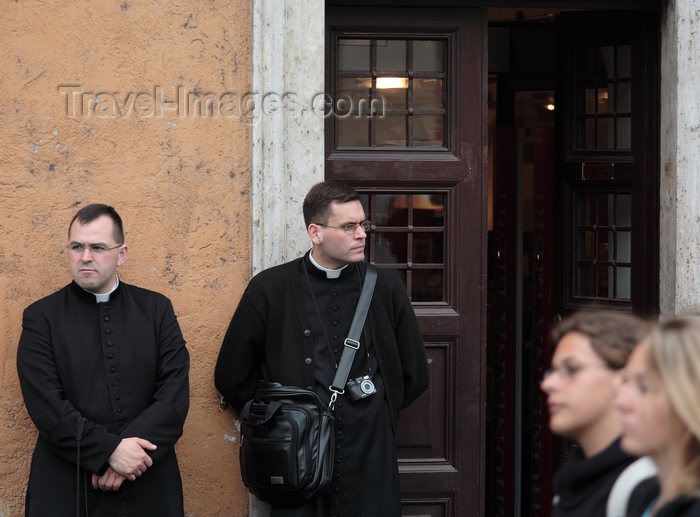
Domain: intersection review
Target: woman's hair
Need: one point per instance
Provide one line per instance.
(613, 335)
(674, 354)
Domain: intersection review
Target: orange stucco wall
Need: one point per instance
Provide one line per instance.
(92, 109)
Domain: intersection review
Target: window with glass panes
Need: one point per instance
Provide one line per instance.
(603, 245)
(391, 93)
(604, 98)
(410, 239)
(602, 86)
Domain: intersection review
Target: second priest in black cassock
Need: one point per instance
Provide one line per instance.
(290, 326)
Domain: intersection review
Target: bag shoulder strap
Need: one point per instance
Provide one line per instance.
(352, 342)
(636, 472)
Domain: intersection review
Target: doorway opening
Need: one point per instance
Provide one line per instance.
(522, 104)
(569, 180)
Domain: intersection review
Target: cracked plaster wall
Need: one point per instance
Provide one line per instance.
(181, 182)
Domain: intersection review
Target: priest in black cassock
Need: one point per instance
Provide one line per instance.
(290, 326)
(105, 376)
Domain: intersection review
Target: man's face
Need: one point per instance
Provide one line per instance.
(95, 272)
(333, 248)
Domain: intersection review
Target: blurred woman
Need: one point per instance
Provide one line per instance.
(591, 349)
(659, 399)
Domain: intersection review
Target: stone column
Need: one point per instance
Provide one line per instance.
(288, 146)
(679, 274)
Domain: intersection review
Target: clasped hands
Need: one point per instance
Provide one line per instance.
(128, 461)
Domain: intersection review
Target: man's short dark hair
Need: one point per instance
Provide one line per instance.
(317, 203)
(89, 213)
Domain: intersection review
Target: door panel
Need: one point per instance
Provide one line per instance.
(607, 178)
(424, 431)
(415, 151)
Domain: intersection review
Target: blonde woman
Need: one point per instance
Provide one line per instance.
(591, 349)
(659, 400)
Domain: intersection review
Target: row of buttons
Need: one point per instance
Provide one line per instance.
(113, 370)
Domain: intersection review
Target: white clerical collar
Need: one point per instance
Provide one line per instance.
(330, 273)
(104, 297)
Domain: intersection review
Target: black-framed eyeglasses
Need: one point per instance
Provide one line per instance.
(351, 228)
(78, 248)
(567, 371)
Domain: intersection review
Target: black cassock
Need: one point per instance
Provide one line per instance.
(365, 476)
(94, 373)
(277, 334)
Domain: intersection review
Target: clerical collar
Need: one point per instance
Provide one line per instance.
(104, 297)
(330, 273)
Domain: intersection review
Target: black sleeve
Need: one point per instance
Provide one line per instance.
(242, 352)
(57, 420)
(162, 421)
(414, 362)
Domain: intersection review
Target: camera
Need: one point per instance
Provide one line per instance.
(360, 388)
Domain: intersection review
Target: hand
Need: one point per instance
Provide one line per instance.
(130, 458)
(109, 481)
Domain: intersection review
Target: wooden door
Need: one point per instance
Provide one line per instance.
(607, 177)
(406, 100)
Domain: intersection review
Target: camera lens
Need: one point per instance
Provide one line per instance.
(366, 386)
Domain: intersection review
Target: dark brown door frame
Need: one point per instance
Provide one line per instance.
(451, 483)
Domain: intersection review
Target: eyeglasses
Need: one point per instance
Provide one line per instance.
(567, 371)
(78, 248)
(351, 228)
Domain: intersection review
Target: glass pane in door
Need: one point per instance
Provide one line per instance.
(603, 245)
(353, 55)
(407, 86)
(410, 239)
(604, 100)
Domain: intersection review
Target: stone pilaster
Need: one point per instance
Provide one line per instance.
(287, 144)
(680, 159)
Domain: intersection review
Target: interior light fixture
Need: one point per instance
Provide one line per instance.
(385, 83)
(550, 104)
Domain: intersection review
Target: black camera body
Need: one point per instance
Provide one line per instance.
(360, 388)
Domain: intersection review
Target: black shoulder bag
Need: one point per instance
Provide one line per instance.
(287, 433)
